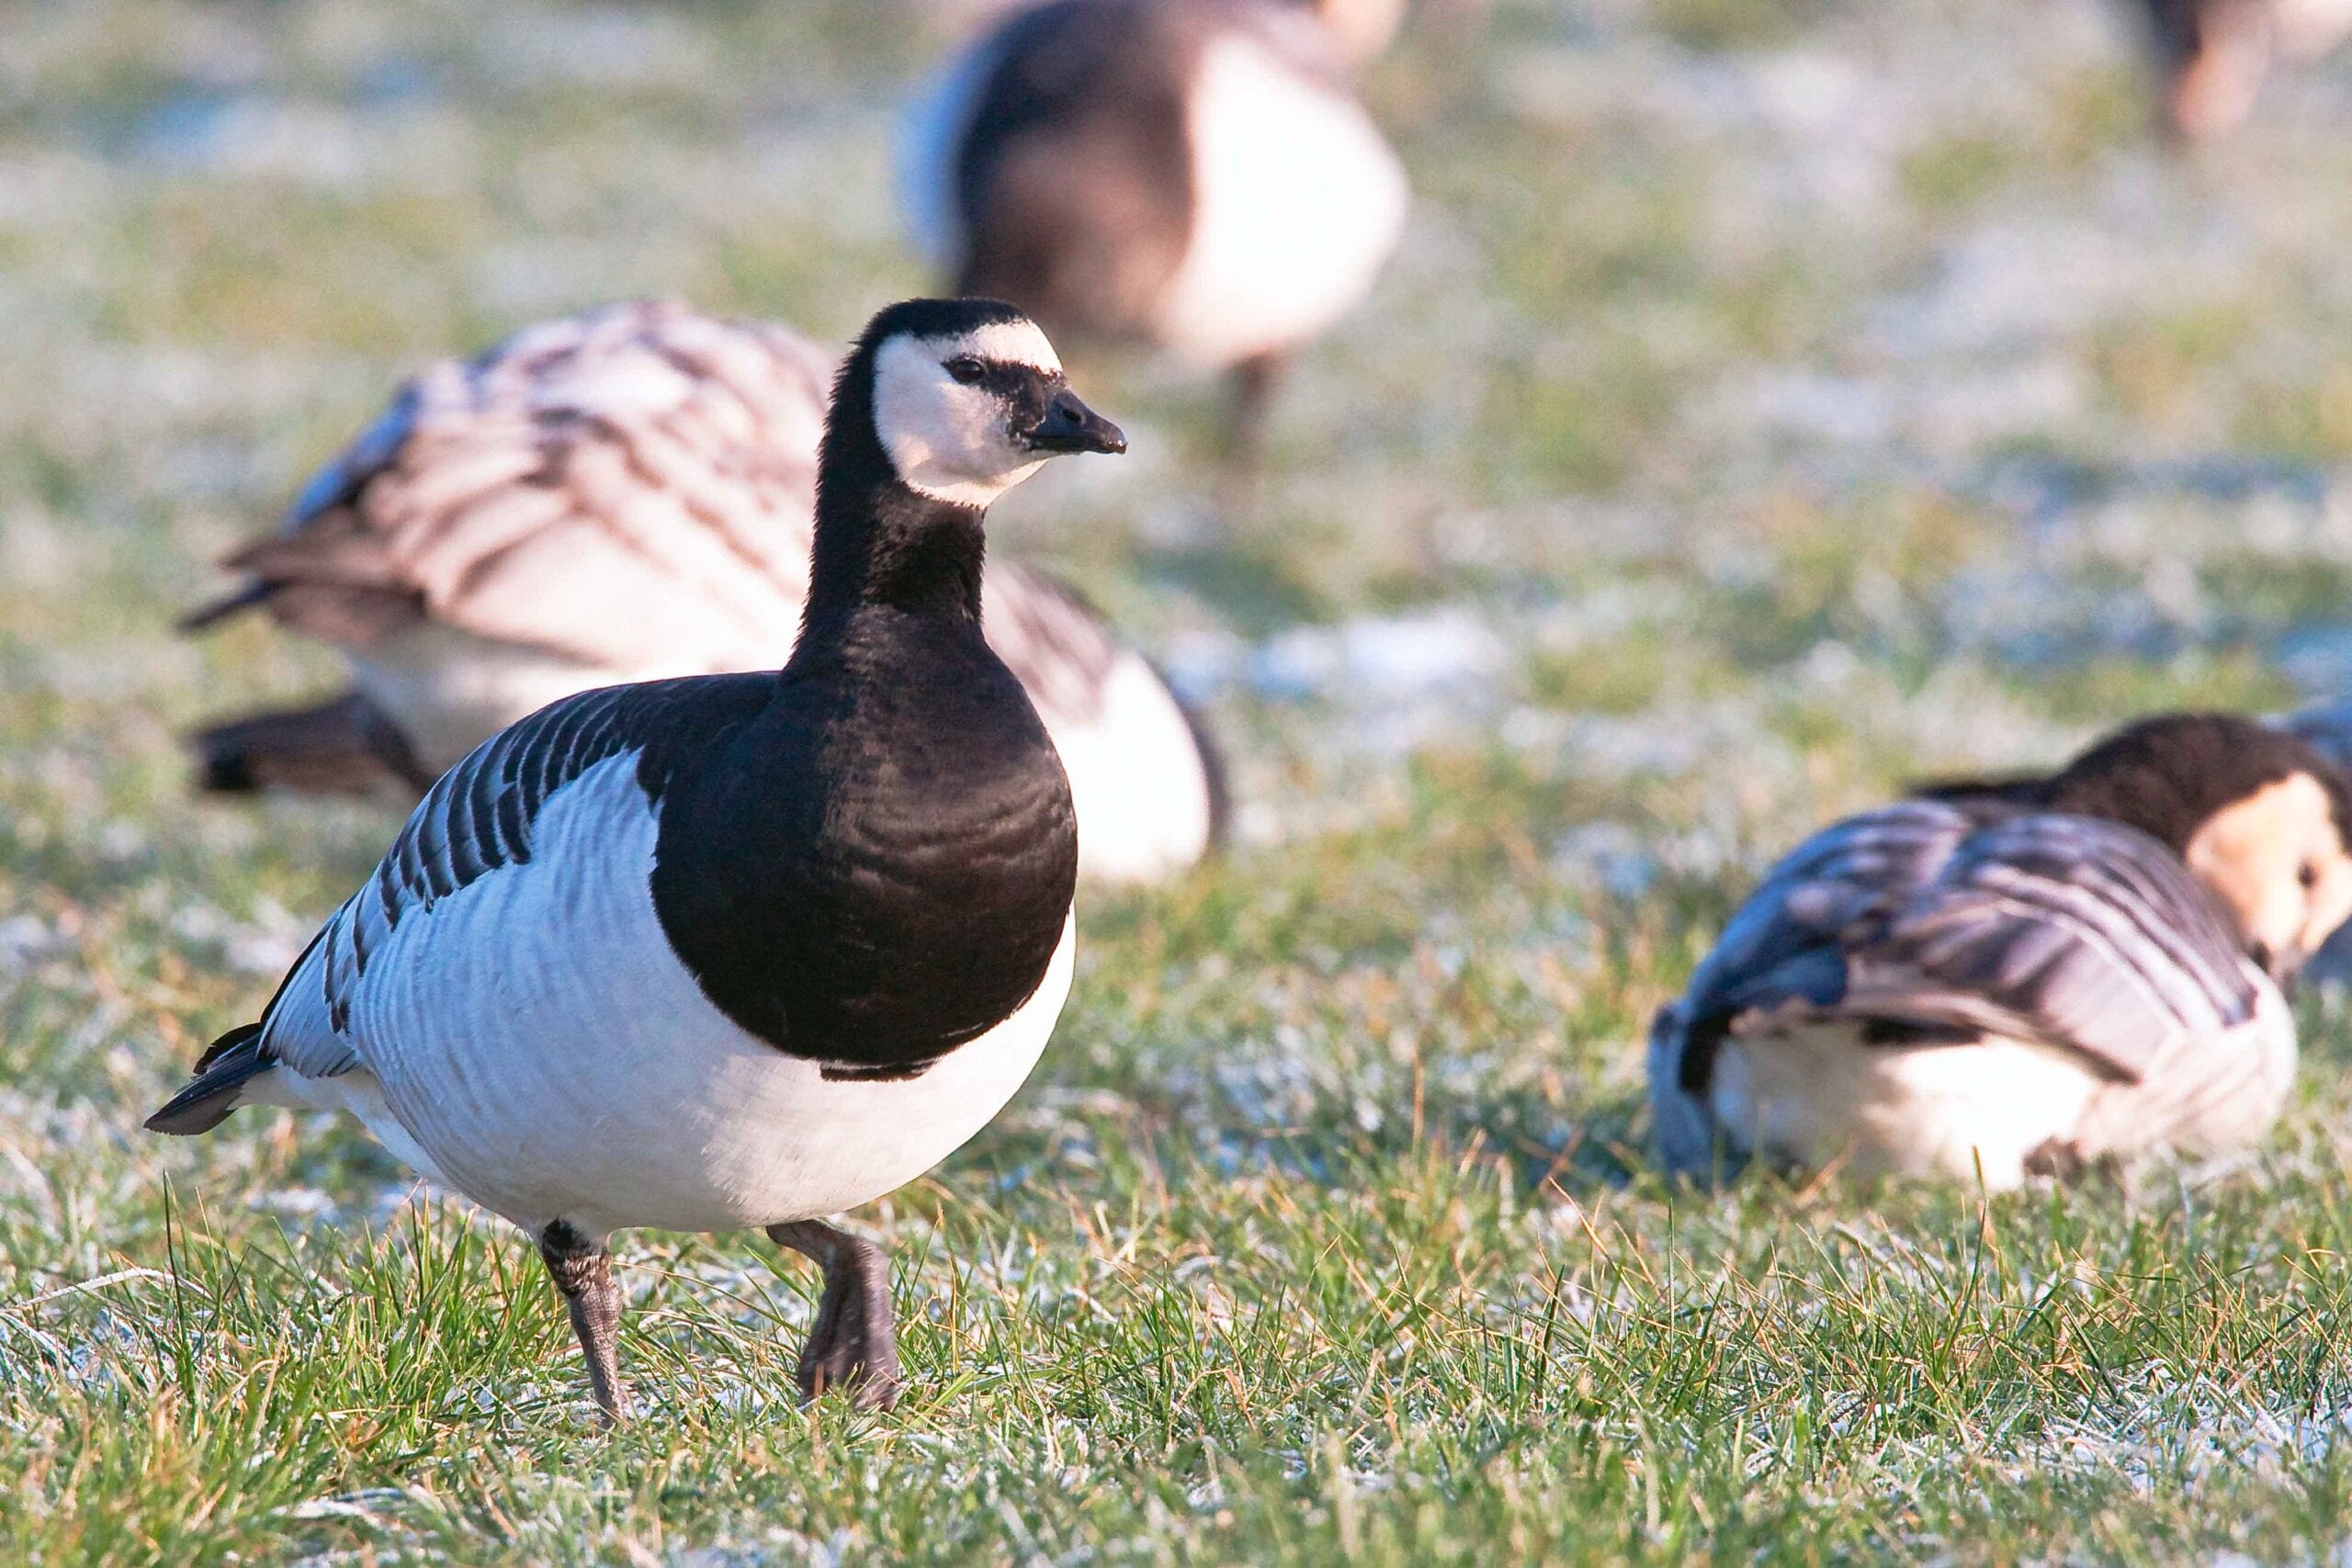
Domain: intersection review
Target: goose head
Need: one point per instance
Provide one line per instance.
(2261, 819)
(969, 399)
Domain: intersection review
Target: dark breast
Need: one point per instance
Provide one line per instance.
(1074, 179)
(881, 870)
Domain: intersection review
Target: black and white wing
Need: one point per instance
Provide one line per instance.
(480, 817)
(630, 488)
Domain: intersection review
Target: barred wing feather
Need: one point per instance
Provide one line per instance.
(614, 486)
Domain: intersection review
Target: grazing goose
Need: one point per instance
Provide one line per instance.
(2212, 55)
(1192, 174)
(625, 496)
(2021, 976)
(726, 950)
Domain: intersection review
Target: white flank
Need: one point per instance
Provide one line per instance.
(1298, 204)
(2211, 1095)
(1135, 777)
(1816, 1094)
(539, 1048)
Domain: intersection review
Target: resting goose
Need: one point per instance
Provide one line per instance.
(2212, 55)
(1196, 176)
(2023, 975)
(620, 496)
(727, 951)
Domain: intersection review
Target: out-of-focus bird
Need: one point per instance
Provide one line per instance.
(730, 950)
(2212, 55)
(2020, 976)
(1192, 174)
(2326, 728)
(626, 495)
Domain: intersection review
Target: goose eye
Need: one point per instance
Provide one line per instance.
(2307, 874)
(966, 370)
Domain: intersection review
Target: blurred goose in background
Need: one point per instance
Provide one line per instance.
(2326, 728)
(732, 951)
(625, 495)
(2021, 976)
(2212, 55)
(1196, 176)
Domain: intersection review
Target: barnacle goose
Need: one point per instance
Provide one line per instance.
(725, 951)
(2020, 976)
(1192, 174)
(2212, 55)
(624, 495)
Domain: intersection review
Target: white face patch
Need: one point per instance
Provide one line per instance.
(946, 439)
(2275, 860)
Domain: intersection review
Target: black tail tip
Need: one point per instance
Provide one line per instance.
(223, 770)
(186, 1117)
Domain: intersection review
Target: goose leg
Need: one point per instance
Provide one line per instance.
(1254, 380)
(853, 1344)
(582, 1272)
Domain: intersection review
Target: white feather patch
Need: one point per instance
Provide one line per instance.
(1137, 778)
(1297, 203)
(1816, 1094)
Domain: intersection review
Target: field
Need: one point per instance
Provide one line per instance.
(1774, 400)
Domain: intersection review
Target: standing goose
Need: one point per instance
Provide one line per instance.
(726, 950)
(625, 496)
(2212, 55)
(2023, 975)
(1192, 174)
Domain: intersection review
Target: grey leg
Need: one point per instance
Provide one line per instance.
(853, 1344)
(582, 1272)
(1254, 380)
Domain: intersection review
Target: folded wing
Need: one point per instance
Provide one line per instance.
(622, 487)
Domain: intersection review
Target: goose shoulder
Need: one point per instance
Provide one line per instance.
(641, 474)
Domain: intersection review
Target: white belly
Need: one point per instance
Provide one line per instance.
(1297, 203)
(1815, 1095)
(538, 1042)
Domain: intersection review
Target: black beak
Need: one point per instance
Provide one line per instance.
(1071, 426)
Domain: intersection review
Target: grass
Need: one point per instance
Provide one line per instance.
(1770, 404)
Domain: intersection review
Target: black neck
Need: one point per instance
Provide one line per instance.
(878, 540)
